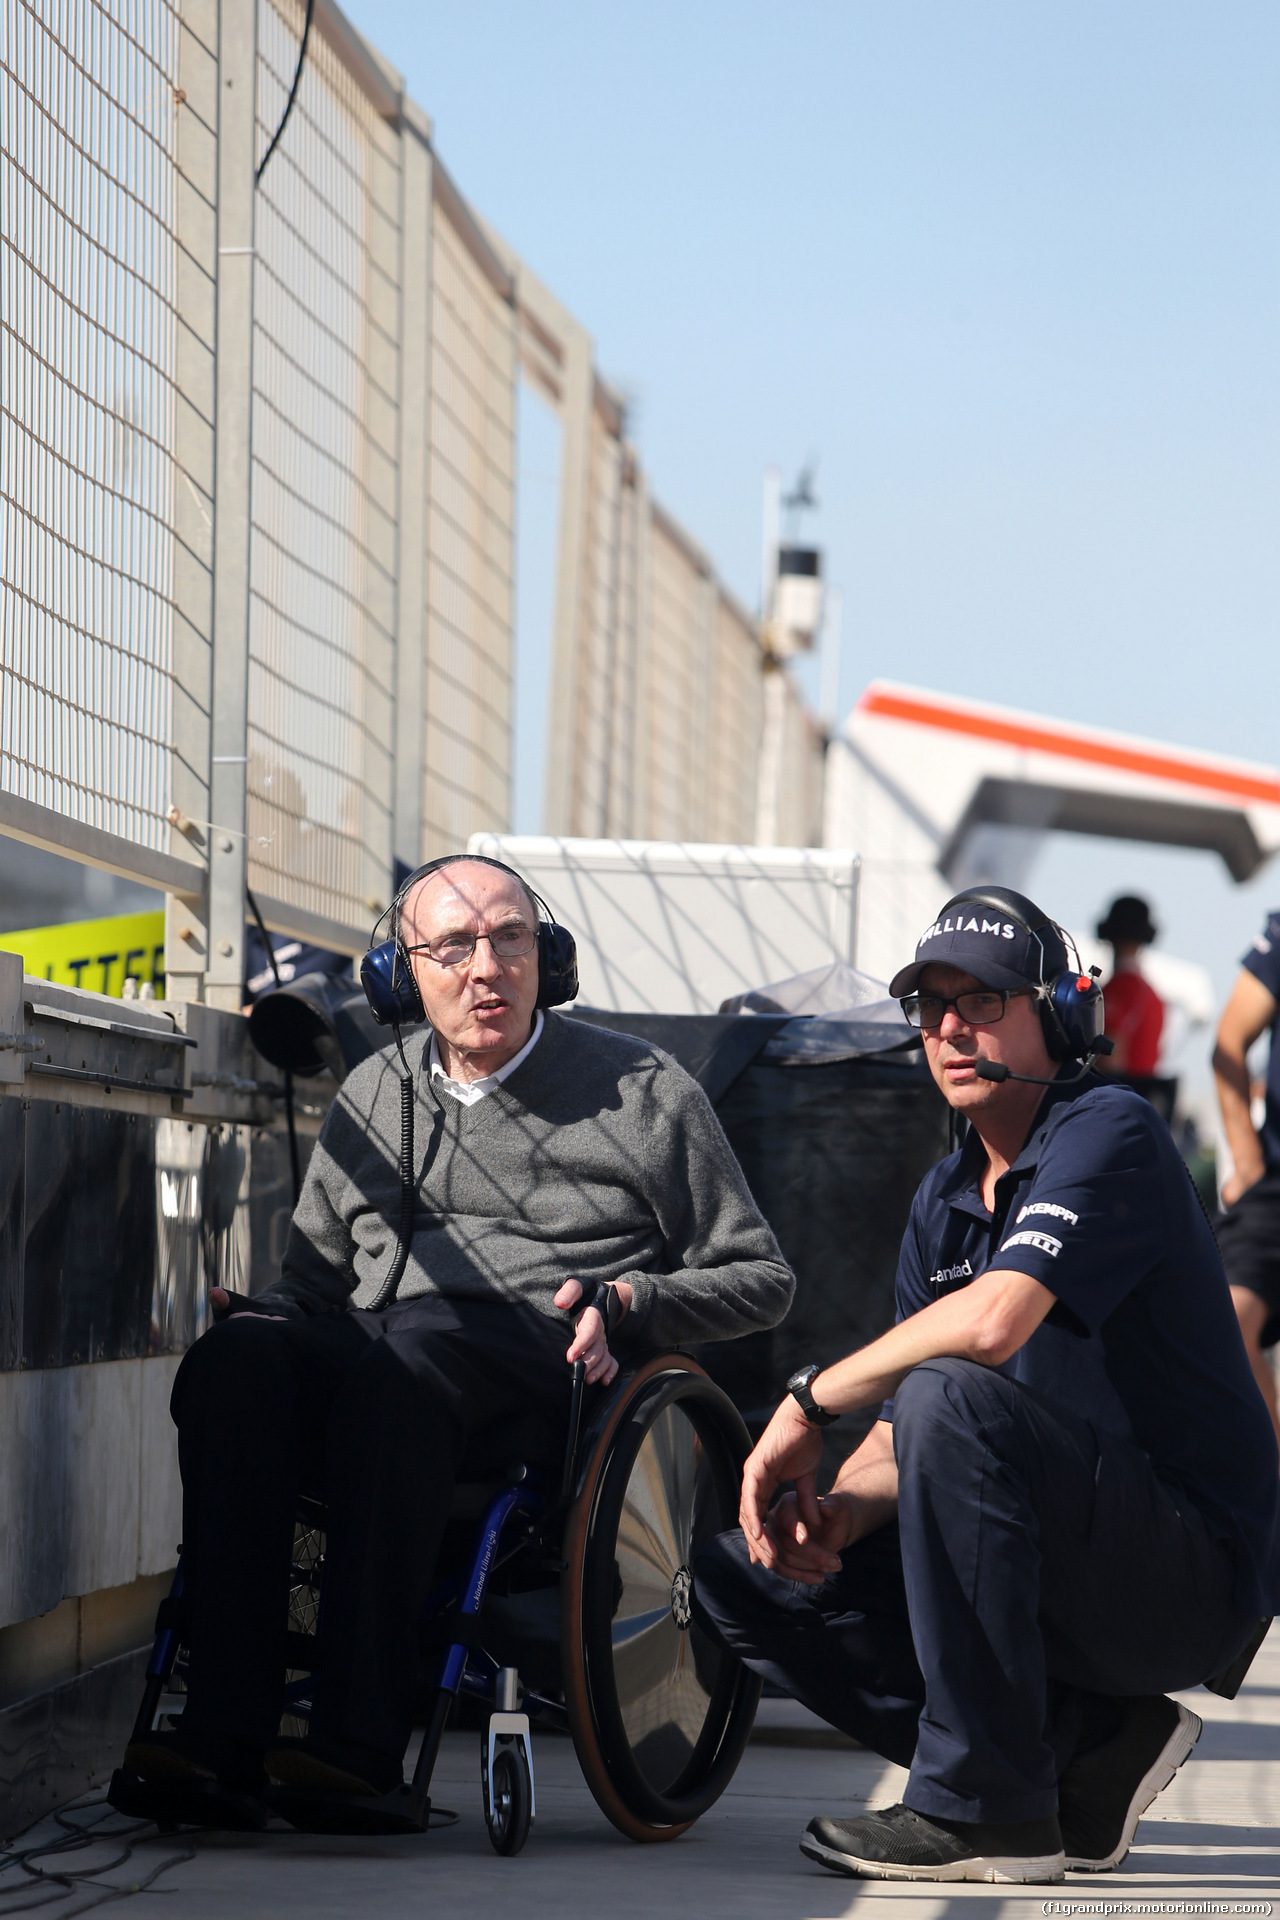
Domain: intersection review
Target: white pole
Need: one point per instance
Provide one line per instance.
(769, 554)
(773, 691)
(772, 745)
(829, 689)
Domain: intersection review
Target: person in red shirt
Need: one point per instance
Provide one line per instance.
(1134, 1010)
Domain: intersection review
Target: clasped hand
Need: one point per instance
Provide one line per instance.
(802, 1536)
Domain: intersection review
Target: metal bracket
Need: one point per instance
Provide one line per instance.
(92, 1077)
(510, 1728)
(66, 1018)
(230, 1082)
(20, 1043)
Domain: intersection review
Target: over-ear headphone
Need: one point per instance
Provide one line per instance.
(1069, 1000)
(386, 972)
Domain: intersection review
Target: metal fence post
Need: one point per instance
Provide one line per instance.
(415, 403)
(237, 77)
(576, 481)
(186, 918)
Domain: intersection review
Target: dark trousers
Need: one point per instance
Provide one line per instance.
(380, 1414)
(1034, 1574)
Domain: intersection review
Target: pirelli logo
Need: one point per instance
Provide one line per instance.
(1043, 1242)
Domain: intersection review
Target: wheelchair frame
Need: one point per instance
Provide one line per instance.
(466, 1666)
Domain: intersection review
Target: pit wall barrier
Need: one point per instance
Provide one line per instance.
(143, 1158)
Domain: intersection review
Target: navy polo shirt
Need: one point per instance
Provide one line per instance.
(1263, 962)
(1142, 1341)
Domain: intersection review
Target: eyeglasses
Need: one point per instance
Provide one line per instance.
(455, 949)
(978, 1009)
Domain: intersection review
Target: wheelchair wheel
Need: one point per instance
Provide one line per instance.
(306, 1573)
(659, 1714)
(509, 1800)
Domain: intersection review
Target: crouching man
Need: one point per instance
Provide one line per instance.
(1068, 1505)
(548, 1154)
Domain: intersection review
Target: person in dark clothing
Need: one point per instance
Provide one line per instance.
(1068, 1506)
(1249, 1226)
(549, 1155)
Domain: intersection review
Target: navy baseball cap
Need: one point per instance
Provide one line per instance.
(997, 935)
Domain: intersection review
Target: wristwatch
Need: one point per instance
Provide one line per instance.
(798, 1387)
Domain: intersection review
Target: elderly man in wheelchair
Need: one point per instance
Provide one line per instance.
(417, 1367)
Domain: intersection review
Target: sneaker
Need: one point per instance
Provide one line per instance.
(897, 1843)
(1104, 1793)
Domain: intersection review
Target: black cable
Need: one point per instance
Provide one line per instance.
(60, 1885)
(295, 1165)
(293, 94)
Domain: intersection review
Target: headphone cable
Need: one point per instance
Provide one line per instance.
(391, 1285)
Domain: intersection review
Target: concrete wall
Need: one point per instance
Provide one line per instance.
(134, 1171)
(89, 1492)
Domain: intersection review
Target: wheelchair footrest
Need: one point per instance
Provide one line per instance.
(213, 1807)
(392, 1812)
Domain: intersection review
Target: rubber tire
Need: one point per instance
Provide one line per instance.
(510, 1807)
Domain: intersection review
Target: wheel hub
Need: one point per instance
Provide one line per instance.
(681, 1597)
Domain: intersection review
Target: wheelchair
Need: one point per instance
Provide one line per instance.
(567, 1607)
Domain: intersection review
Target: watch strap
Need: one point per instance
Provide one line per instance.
(800, 1389)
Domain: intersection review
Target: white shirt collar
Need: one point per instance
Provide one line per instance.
(467, 1092)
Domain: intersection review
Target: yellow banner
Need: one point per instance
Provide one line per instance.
(98, 954)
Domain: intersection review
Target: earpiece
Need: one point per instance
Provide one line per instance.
(389, 986)
(1070, 1002)
(557, 963)
(386, 971)
(1073, 1011)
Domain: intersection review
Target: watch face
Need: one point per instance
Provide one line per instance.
(801, 1377)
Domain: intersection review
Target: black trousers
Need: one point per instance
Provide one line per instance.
(1034, 1574)
(380, 1414)
(1249, 1238)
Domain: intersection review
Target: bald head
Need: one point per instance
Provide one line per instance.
(464, 860)
(481, 1008)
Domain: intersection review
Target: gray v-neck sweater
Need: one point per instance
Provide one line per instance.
(598, 1158)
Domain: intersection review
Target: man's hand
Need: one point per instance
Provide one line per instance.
(1237, 1183)
(224, 1304)
(590, 1342)
(804, 1552)
(864, 1497)
(1246, 1016)
(788, 1449)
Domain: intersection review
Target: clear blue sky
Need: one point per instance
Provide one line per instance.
(1009, 270)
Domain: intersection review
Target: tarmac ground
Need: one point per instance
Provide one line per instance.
(1210, 1843)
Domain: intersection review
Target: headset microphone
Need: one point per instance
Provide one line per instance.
(996, 1069)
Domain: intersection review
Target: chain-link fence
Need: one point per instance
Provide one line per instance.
(88, 290)
(322, 621)
(258, 378)
(470, 534)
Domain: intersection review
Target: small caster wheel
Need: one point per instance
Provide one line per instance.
(508, 1800)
